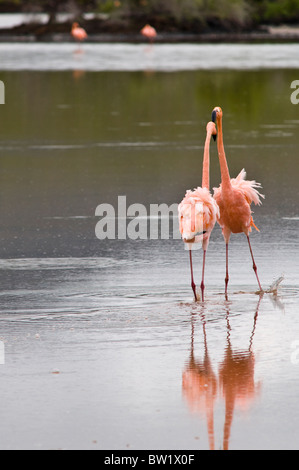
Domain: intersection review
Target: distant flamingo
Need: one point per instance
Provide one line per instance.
(198, 211)
(78, 33)
(149, 32)
(234, 197)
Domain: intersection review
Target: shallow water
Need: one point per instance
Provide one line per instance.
(104, 346)
(141, 57)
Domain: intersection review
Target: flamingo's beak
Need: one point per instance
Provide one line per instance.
(214, 120)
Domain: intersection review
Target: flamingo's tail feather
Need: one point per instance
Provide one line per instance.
(252, 224)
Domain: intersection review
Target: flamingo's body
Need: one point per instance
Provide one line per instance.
(235, 213)
(198, 211)
(149, 32)
(78, 33)
(234, 198)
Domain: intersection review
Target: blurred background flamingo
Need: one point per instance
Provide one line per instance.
(234, 197)
(78, 33)
(149, 32)
(198, 212)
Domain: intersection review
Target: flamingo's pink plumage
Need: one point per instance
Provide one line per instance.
(78, 33)
(234, 197)
(198, 211)
(248, 190)
(149, 32)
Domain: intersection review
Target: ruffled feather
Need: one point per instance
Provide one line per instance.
(249, 189)
(198, 212)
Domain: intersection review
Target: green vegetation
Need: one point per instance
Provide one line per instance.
(173, 15)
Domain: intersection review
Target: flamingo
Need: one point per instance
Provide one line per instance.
(198, 212)
(78, 33)
(149, 32)
(234, 197)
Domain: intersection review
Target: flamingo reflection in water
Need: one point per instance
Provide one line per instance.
(236, 379)
(200, 385)
(235, 382)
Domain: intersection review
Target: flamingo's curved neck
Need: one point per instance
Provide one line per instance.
(206, 163)
(225, 177)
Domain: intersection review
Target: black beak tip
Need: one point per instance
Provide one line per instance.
(214, 116)
(214, 137)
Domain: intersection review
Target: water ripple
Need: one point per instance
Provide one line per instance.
(59, 263)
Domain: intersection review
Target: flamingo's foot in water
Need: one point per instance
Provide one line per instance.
(197, 295)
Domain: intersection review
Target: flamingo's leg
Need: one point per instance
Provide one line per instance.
(254, 265)
(226, 276)
(192, 278)
(202, 285)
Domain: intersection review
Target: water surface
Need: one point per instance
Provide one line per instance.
(141, 57)
(104, 346)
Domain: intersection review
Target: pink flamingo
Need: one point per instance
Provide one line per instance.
(78, 33)
(234, 197)
(149, 32)
(198, 212)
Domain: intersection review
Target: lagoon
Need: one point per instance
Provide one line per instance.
(104, 346)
